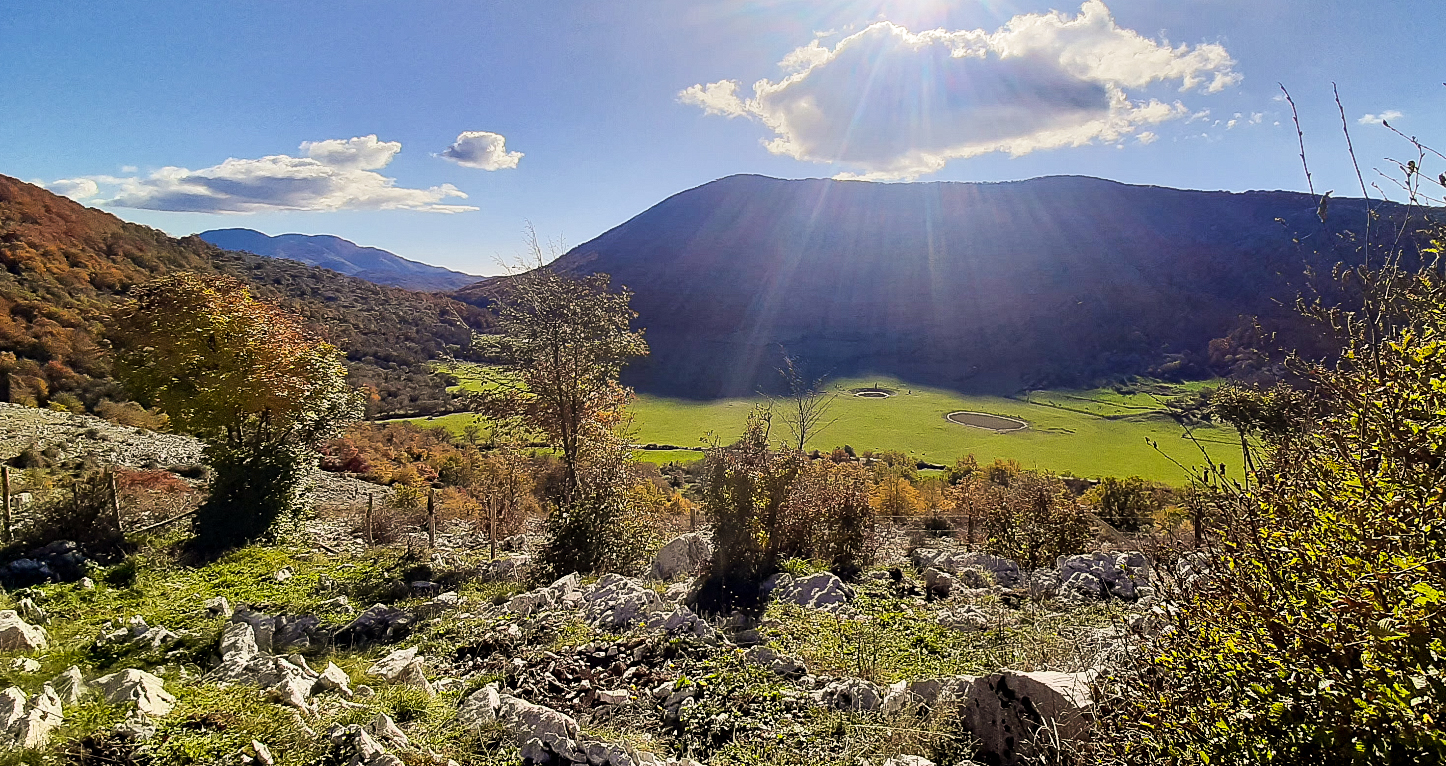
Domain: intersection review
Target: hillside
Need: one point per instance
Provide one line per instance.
(342, 256)
(990, 287)
(65, 264)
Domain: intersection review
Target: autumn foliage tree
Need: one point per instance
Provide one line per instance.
(244, 376)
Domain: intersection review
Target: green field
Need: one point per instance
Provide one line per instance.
(1099, 432)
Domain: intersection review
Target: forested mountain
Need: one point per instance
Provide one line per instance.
(342, 256)
(62, 265)
(974, 286)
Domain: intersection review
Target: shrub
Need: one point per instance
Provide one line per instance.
(1315, 634)
(1033, 519)
(592, 528)
(769, 505)
(1128, 505)
(82, 513)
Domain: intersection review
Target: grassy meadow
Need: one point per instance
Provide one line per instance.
(1101, 432)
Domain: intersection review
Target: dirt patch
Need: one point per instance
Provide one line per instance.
(996, 423)
(872, 392)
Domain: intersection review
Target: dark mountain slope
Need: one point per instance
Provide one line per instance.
(990, 287)
(342, 256)
(62, 265)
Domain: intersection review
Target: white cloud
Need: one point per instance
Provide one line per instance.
(1147, 137)
(74, 188)
(716, 98)
(889, 103)
(338, 174)
(1386, 116)
(364, 153)
(480, 149)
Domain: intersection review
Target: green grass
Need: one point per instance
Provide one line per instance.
(1090, 433)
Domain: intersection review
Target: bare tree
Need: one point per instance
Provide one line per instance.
(805, 412)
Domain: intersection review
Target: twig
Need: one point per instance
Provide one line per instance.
(162, 523)
(1300, 135)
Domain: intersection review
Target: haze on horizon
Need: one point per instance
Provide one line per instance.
(437, 130)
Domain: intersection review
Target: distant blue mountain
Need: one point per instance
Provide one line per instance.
(340, 255)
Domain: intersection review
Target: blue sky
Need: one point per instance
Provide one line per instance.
(576, 116)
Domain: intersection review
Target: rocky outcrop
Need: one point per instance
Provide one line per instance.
(378, 624)
(17, 635)
(779, 664)
(853, 695)
(924, 695)
(617, 602)
(686, 554)
(28, 723)
(1007, 711)
(136, 686)
(823, 590)
(1001, 571)
(1100, 576)
(59, 561)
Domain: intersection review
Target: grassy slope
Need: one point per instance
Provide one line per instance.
(1086, 433)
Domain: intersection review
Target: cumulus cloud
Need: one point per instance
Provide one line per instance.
(74, 188)
(1386, 116)
(338, 174)
(890, 103)
(480, 149)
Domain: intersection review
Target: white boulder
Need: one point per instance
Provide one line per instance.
(147, 691)
(684, 554)
(823, 590)
(17, 635)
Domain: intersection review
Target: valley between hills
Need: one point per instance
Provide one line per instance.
(1075, 493)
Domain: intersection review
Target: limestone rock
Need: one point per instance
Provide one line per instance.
(147, 691)
(219, 607)
(386, 729)
(684, 554)
(380, 623)
(923, 695)
(780, 664)
(17, 635)
(1003, 571)
(42, 717)
(69, 685)
(415, 675)
(617, 602)
(564, 593)
(333, 679)
(392, 666)
(938, 583)
(852, 694)
(823, 590)
(1103, 575)
(12, 707)
(1004, 710)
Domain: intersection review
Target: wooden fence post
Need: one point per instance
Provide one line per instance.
(371, 498)
(432, 518)
(492, 525)
(5, 496)
(114, 500)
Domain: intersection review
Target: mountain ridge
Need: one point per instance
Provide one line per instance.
(988, 287)
(342, 256)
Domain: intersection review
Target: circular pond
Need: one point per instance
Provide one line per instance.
(995, 423)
